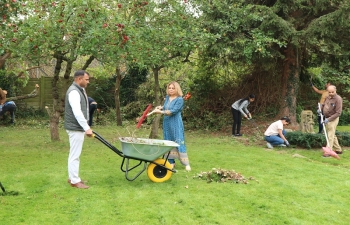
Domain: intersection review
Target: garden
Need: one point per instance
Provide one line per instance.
(218, 51)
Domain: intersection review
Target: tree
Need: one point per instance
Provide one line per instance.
(164, 32)
(280, 39)
(62, 31)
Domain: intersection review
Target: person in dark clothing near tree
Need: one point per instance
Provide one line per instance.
(238, 109)
(92, 109)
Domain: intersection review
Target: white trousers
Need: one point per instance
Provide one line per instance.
(76, 140)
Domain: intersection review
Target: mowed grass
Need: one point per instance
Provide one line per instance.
(291, 186)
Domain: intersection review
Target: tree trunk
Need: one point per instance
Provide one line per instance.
(156, 121)
(54, 121)
(290, 83)
(69, 68)
(57, 109)
(117, 96)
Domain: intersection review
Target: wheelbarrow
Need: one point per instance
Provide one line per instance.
(151, 152)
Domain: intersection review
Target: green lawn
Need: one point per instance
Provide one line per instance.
(343, 128)
(292, 186)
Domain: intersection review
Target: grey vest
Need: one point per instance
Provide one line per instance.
(70, 122)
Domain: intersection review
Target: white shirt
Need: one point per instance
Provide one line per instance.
(273, 128)
(74, 101)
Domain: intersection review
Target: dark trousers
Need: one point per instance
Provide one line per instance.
(92, 109)
(320, 125)
(237, 119)
(9, 108)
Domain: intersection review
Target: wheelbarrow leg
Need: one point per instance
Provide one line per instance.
(127, 165)
(127, 169)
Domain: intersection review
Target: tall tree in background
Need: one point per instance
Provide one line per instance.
(278, 38)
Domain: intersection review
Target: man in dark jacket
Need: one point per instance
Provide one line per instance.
(76, 116)
(92, 109)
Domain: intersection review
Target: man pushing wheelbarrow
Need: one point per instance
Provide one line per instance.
(331, 109)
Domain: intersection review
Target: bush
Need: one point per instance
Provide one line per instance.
(344, 118)
(206, 120)
(31, 113)
(343, 138)
(306, 140)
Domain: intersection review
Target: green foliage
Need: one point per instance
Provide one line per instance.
(344, 118)
(205, 120)
(31, 113)
(101, 89)
(343, 138)
(306, 140)
(107, 116)
(130, 83)
(133, 110)
(10, 83)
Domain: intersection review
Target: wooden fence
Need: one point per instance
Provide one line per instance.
(45, 93)
(44, 97)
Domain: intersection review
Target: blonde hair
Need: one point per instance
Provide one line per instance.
(177, 88)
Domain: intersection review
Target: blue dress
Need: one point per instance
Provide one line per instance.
(173, 128)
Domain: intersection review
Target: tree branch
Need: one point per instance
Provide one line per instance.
(33, 94)
(88, 62)
(187, 56)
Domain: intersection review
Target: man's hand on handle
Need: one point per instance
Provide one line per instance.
(89, 133)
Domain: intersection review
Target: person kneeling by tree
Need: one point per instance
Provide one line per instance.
(7, 106)
(275, 134)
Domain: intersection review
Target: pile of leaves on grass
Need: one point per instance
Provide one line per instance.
(223, 176)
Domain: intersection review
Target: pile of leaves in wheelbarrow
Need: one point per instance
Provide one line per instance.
(223, 176)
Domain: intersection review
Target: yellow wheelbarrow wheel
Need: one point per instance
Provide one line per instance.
(159, 173)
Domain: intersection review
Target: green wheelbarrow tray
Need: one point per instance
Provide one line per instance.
(146, 149)
(152, 151)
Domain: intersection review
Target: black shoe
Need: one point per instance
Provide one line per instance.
(238, 135)
(339, 152)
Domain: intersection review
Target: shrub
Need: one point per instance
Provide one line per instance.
(344, 118)
(31, 113)
(306, 140)
(206, 120)
(343, 138)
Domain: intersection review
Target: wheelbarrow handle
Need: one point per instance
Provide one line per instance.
(109, 145)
